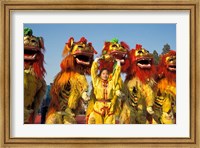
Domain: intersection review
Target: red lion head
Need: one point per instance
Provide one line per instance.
(33, 53)
(141, 64)
(78, 56)
(113, 50)
(167, 66)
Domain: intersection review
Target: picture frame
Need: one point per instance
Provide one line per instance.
(8, 6)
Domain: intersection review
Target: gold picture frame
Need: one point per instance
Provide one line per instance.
(7, 6)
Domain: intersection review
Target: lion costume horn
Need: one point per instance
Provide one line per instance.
(68, 46)
(41, 43)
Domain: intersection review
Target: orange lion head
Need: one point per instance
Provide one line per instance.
(167, 66)
(141, 64)
(113, 50)
(33, 53)
(78, 56)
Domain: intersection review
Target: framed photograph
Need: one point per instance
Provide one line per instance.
(132, 21)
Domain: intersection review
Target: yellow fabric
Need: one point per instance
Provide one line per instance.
(95, 118)
(143, 98)
(168, 97)
(144, 91)
(117, 101)
(64, 117)
(78, 86)
(103, 112)
(97, 82)
(90, 103)
(167, 119)
(34, 91)
(125, 114)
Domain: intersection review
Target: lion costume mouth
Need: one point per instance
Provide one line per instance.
(172, 67)
(30, 53)
(83, 58)
(32, 47)
(144, 63)
(120, 55)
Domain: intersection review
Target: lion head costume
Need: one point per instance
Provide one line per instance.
(114, 50)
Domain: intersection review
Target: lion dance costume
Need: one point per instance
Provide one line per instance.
(139, 84)
(165, 103)
(104, 109)
(34, 83)
(70, 85)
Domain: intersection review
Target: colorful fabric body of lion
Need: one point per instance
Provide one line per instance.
(70, 85)
(139, 84)
(112, 50)
(165, 102)
(34, 83)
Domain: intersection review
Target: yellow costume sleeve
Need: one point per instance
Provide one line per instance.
(166, 105)
(78, 86)
(94, 71)
(149, 95)
(116, 71)
(82, 84)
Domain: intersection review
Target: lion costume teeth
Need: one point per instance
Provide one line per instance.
(70, 83)
(34, 83)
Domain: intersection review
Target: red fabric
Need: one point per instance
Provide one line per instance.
(38, 66)
(162, 67)
(124, 45)
(106, 47)
(138, 46)
(67, 63)
(83, 40)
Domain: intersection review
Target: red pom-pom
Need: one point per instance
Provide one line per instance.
(83, 40)
(138, 46)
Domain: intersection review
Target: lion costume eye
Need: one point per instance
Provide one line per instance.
(80, 47)
(26, 40)
(114, 46)
(139, 53)
(33, 41)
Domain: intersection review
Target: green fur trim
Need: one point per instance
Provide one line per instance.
(113, 40)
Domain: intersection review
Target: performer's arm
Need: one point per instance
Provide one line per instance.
(116, 73)
(94, 71)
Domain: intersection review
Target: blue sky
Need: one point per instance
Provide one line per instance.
(151, 36)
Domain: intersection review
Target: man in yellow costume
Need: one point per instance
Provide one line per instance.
(104, 91)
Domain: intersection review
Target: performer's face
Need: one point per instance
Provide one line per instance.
(104, 75)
